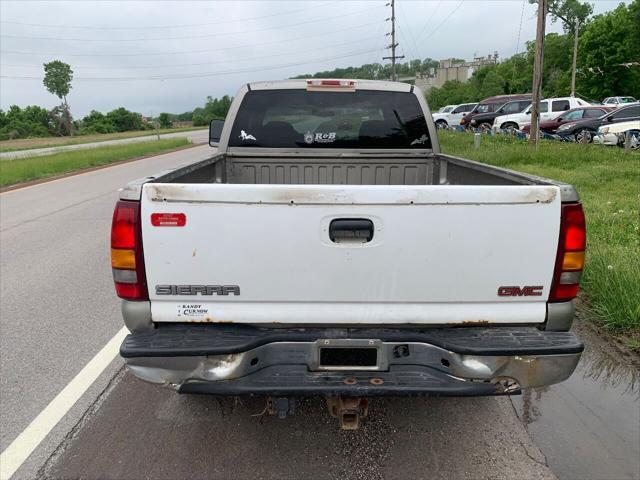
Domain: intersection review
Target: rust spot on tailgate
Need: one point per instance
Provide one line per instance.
(470, 322)
(542, 195)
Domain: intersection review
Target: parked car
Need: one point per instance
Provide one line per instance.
(618, 101)
(550, 108)
(575, 114)
(584, 130)
(446, 108)
(488, 105)
(483, 121)
(452, 118)
(616, 133)
(301, 260)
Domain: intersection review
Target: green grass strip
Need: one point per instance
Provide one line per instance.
(608, 181)
(33, 168)
(46, 142)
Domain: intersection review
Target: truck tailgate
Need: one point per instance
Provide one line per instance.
(299, 253)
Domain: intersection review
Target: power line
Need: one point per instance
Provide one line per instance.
(426, 24)
(200, 75)
(413, 43)
(444, 20)
(187, 37)
(243, 59)
(152, 27)
(323, 34)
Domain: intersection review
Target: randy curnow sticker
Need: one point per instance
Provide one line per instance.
(192, 310)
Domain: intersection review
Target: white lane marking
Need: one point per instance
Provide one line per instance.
(20, 449)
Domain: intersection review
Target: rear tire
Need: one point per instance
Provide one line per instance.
(442, 124)
(484, 127)
(509, 126)
(582, 133)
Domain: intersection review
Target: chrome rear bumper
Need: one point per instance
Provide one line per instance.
(402, 367)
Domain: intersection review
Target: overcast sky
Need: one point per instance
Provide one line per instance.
(156, 56)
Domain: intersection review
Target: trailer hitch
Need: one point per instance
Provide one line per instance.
(348, 411)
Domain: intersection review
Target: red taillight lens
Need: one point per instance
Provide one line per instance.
(123, 227)
(127, 260)
(570, 257)
(575, 238)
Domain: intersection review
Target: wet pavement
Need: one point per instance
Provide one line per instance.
(585, 428)
(142, 431)
(588, 427)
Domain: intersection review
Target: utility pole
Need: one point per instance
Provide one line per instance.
(394, 44)
(537, 73)
(575, 57)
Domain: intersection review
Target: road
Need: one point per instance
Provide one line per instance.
(58, 309)
(57, 304)
(194, 136)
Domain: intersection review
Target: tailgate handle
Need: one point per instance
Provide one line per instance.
(351, 230)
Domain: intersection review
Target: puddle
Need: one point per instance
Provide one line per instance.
(589, 426)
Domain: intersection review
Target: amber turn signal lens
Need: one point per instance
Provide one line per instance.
(573, 261)
(123, 259)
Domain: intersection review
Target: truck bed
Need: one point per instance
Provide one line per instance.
(294, 169)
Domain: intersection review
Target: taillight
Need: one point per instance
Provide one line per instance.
(127, 261)
(570, 258)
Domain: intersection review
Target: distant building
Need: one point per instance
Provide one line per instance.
(452, 69)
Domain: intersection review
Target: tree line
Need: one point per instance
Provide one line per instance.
(608, 63)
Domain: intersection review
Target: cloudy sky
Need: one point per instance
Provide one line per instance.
(155, 56)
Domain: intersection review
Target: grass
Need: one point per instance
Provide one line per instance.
(33, 168)
(608, 181)
(45, 142)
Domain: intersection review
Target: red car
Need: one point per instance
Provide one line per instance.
(573, 115)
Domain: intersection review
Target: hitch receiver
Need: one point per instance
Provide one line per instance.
(348, 411)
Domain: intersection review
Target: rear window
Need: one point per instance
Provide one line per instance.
(307, 119)
(594, 113)
(560, 105)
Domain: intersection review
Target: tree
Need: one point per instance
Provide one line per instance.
(57, 80)
(609, 42)
(31, 121)
(569, 11)
(123, 120)
(165, 121)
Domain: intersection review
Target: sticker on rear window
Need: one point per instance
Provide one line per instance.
(308, 138)
(325, 137)
(420, 140)
(246, 136)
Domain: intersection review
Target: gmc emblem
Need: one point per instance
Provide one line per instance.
(527, 291)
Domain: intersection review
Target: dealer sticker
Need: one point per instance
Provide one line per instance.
(192, 310)
(325, 137)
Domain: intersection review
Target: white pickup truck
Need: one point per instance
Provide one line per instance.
(329, 248)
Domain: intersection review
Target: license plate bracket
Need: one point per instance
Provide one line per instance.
(348, 354)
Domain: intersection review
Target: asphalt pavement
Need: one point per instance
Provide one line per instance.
(194, 136)
(58, 309)
(57, 303)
